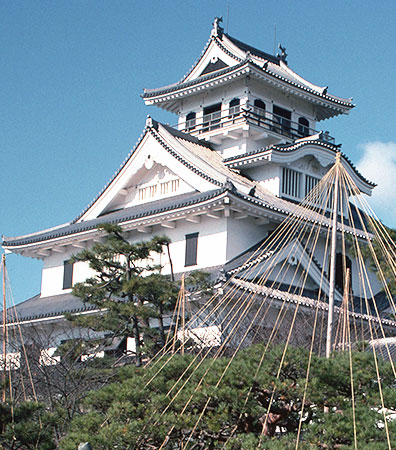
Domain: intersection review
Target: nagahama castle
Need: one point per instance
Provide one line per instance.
(245, 150)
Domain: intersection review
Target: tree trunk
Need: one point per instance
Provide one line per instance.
(136, 335)
(161, 326)
(136, 331)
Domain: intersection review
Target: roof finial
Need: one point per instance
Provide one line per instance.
(282, 55)
(217, 29)
(149, 122)
(229, 185)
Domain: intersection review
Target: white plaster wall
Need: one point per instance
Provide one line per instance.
(268, 175)
(52, 274)
(243, 234)
(211, 249)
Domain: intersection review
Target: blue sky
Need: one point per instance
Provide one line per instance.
(72, 73)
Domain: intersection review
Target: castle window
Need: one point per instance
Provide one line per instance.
(310, 183)
(291, 180)
(191, 249)
(303, 127)
(211, 117)
(282, 120)
(234, 107)
(67, 274)
(259, 111)
(190, 121)
(259, 107)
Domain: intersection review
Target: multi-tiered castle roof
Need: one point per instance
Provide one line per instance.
(244, 151)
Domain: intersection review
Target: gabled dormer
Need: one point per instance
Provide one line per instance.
(239, 98)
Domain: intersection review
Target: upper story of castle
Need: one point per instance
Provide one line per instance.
(240, 98)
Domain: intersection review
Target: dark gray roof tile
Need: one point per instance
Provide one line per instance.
(118, 217)
(44, 307)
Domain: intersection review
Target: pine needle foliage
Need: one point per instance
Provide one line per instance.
(129, 414)
(26, 426)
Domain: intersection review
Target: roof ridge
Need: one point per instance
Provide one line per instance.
(254, 50)
(203, 175)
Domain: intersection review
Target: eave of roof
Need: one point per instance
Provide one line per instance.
(118, 217)
(38, 307)
(157, 93)
(245, 64)
(280, 207)
(289, 148)
(288, 208)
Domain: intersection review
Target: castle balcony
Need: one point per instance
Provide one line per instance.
(249, 120)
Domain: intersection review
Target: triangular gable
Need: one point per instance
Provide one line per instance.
(215, 57)
(153, 181)
(213, 65)
(146, 165)
(294, 253)
(181, 162)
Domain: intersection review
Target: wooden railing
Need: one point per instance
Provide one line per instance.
(255, 116)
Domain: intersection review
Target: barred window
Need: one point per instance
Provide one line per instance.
(291, 182)
(169, 186)
(156, 190)
(310, 183)
(147, 192)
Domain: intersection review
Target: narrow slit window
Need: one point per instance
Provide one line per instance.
(67, 274)
(191, 249)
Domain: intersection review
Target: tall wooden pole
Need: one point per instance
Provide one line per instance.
(345, 309)
(183, 299)
(330, 317)
(3, 264)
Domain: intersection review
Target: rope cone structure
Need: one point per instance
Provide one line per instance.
(293, 349)
(310, 285)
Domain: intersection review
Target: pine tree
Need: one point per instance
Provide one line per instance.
(127, 286)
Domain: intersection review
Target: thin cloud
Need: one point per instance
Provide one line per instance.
(378, 164)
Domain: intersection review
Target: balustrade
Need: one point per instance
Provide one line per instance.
(256, 116)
